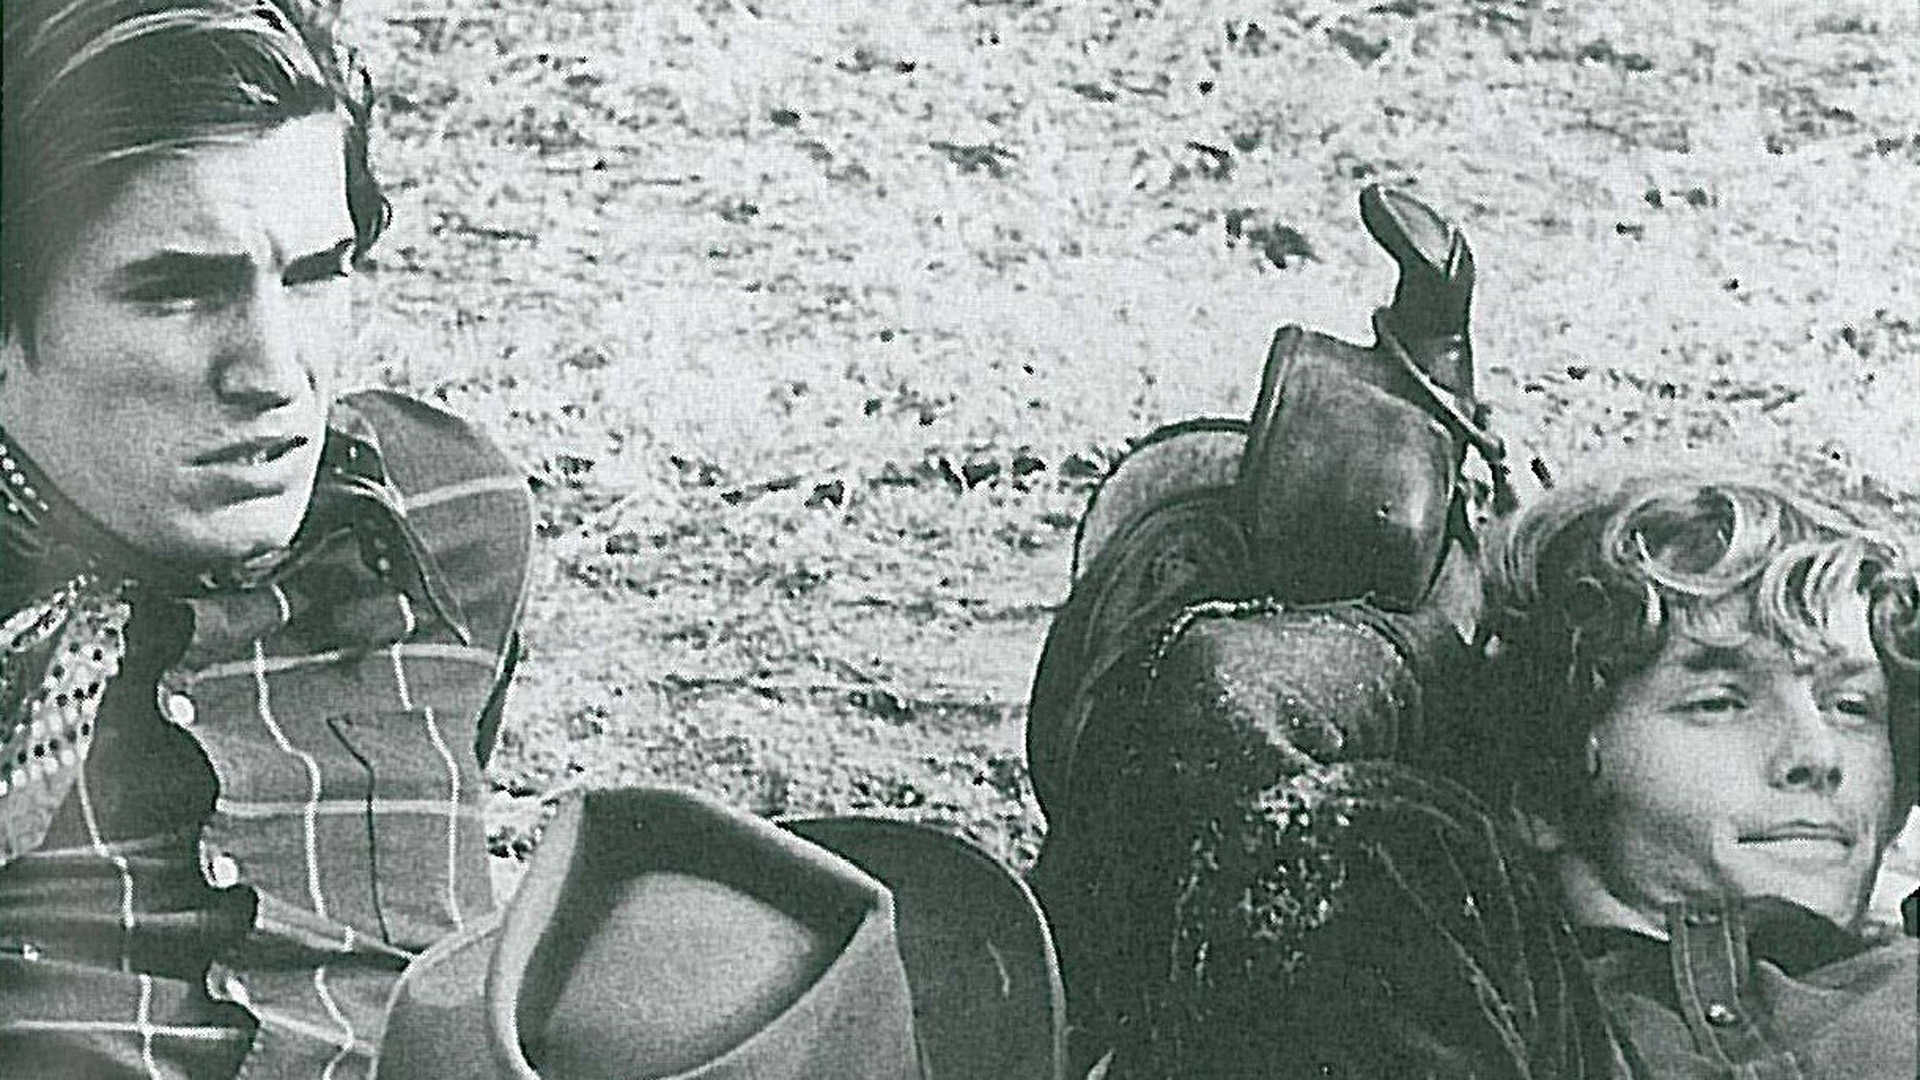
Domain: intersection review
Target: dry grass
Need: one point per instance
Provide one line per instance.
(814, 320)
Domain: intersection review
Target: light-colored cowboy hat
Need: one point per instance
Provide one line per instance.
(661, 934)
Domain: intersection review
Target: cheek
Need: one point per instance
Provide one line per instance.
(325, 334)
(1668, 792)
(1871, 773)
(110, 359)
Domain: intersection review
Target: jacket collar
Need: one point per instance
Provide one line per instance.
(1795, 939)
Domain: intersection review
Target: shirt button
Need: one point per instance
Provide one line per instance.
(223, 872)
(1720, 1014)
(179, 710)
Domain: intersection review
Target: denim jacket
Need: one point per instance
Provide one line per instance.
(1759, 991)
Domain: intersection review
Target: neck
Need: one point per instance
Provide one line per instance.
(1589, 903)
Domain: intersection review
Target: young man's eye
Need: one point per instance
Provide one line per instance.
(169, 305)
(1715, 703)
(170, 285)
(1858, 709)
(179, 295)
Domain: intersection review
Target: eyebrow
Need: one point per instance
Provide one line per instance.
(221, 267)
(1708, 659)
(1711, 658)
(1849, 668)
(182, 264)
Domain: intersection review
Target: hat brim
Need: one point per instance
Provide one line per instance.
(439, 1008)
(979, 959)
(987, 997)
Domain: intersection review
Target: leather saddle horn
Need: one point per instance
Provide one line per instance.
(1348, 482)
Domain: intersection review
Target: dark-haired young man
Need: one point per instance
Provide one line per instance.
(253, 646)
(255, 637)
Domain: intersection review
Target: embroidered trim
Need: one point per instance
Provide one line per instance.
(68, 645)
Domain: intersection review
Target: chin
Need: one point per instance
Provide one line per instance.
(1840, 900)
(1832, 908)
(241, 532)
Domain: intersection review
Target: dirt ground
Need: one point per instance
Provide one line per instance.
(815, 321)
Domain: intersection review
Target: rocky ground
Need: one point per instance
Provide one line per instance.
(815, 322)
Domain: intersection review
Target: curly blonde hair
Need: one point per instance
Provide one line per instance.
(1587, 587)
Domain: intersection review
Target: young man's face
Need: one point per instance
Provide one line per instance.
(182, 352)
(1748, 770)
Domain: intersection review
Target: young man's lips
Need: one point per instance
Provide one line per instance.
(1799, 830)
(260, 451)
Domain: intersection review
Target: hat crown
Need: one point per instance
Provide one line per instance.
(686, 939)
(676, 971)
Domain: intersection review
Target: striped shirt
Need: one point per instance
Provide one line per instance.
(282, 804)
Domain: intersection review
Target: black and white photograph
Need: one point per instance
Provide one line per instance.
(959, 540)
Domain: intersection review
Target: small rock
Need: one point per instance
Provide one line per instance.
(831, 493)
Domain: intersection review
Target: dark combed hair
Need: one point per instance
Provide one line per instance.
(93, 89)
(1587, 587)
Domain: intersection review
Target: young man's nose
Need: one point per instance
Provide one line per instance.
(1806, 753)
(263, 363)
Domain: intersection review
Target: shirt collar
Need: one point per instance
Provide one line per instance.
(47, 539)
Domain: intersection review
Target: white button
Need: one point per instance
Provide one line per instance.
(1720, 1014)
(223, 872)
(180, 710)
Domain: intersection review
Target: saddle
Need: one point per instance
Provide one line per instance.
(1253, 596)
(1344, 487)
